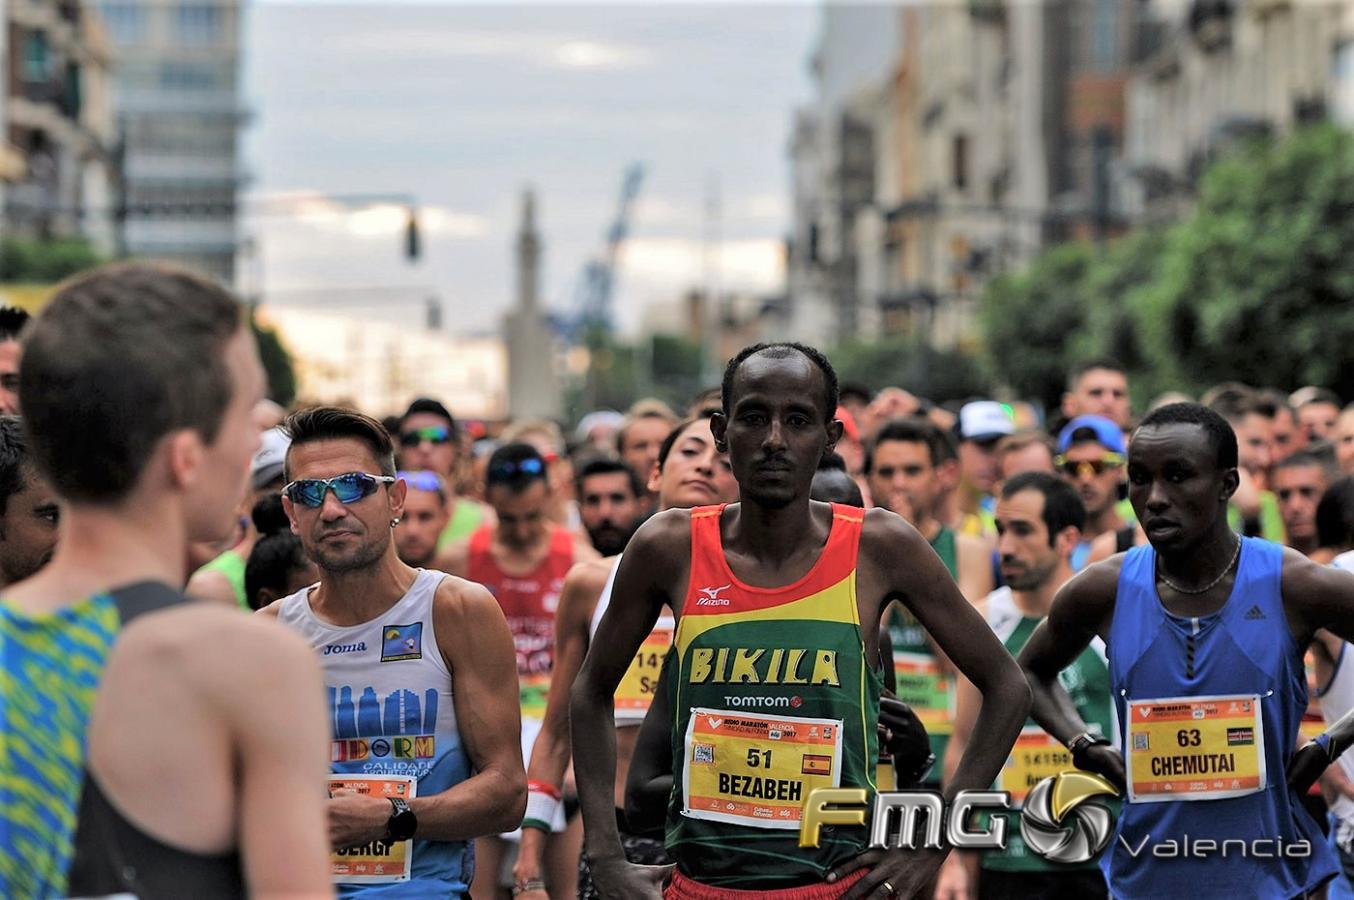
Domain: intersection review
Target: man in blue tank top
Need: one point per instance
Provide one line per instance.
(1205, 633)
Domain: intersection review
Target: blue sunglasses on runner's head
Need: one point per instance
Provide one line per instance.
(421, 480)
(348, 488)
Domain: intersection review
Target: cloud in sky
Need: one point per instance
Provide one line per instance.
(538, 50)
(465, 106)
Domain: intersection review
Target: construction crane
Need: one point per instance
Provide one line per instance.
(593, 299)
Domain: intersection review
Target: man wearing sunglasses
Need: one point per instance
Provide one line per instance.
(424, 519)
(522, 560)
(430, 440)
(1091, 459)
(418, 667)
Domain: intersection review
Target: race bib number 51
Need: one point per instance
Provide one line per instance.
(756, 770)
(1195, 748)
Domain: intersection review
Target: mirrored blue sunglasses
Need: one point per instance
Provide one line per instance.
(421, 480)
(348, 488)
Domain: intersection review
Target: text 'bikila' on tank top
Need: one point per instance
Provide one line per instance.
(772, 698)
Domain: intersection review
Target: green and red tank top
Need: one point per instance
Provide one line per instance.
(922, 681)
(772, 697)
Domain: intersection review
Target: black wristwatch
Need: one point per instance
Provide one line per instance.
(1081, 743)
(402, 822)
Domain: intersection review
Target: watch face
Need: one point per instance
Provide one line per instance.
(403, 823)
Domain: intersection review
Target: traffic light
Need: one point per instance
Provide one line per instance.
(412, 246)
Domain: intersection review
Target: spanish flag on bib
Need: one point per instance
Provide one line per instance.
(772, 697)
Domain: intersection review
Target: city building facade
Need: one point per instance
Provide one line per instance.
(57, 158)
(179, 113)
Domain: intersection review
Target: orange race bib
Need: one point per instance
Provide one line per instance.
(1195, 748)
(379, 862)
(1034, 757)
(927, 689)
(754, 770)
(533, 691)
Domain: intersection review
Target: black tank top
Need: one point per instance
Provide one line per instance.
(112, 855)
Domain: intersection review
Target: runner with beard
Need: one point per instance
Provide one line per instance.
(1091, 459)
(689, 472)
(610, 503)
(1039, 518)
(417, 667)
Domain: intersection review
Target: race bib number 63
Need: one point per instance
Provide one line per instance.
(1195, 748)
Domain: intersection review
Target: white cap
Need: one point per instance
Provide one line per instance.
(268, 461)
(601, 418)
(984, 420)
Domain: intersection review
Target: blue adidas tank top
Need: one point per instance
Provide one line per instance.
(1244, 648)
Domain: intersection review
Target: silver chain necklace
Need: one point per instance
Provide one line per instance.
(1206, 588)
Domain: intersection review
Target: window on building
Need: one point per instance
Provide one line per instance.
(126, 22)
(184, 76)
(72, 96)
(959, 175)
(198, 24)
(1105, 35)
(37, 57)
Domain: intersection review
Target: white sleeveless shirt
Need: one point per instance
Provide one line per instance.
(391, 709)
(648, 661)
(1337, 699)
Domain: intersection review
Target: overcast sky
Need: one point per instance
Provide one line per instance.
(463, 106)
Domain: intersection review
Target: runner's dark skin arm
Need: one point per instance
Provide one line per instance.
(896, 562)
(653, 572)
(649, 782)
(1082, 610)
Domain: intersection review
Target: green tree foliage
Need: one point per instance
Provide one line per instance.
(1257, 284)
(1031, 318)
(675, 365)
(277, 363)
(43, 262)
(1254, 285)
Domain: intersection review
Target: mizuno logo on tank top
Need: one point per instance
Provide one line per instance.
(772, 698)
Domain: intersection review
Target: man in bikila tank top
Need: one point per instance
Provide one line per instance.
(775, 694)
(1205, 633)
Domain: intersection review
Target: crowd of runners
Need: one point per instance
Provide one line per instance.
(246, 651)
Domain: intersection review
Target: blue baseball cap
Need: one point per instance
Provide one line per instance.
(1106, 433)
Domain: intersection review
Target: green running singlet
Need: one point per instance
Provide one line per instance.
(773, 697)
(921, 682)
